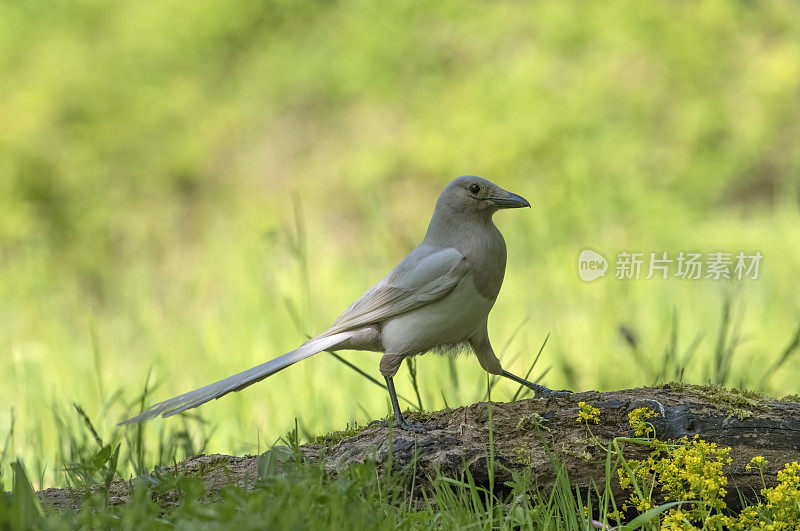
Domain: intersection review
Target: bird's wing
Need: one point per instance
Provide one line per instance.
(425, 275)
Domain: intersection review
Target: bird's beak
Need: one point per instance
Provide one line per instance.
(509, 201)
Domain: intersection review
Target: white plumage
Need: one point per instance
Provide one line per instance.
(438, 296)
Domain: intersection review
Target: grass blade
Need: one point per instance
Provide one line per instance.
(530, 369)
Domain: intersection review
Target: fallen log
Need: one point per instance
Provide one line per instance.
(526, 435)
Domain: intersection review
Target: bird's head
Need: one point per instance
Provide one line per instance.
(469, 193)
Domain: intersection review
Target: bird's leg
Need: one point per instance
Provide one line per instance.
(399, 420)
(538, 390)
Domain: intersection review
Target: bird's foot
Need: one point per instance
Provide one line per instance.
(539, 391)
(402, 424)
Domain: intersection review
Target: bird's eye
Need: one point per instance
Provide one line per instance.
(474, 188)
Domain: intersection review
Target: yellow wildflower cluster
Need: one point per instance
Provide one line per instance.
(643, 477)
(758, 462)
(692, 471)
(782, 508)
(587, 413)
(638, 421)
(679, 520)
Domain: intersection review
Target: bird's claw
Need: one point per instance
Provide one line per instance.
(561, 393)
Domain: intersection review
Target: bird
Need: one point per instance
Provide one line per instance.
(438, 298)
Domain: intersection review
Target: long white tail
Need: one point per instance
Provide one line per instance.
(239, 381)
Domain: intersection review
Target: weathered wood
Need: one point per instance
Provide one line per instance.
(524, 432)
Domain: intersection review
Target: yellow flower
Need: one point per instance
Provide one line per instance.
(677, 519)
(638, 421)
(758, 462)
(690, 472)
(587, 413)
(782, 507)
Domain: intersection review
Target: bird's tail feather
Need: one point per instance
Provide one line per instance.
(239, 381)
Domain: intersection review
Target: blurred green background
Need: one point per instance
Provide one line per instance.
(177, 179)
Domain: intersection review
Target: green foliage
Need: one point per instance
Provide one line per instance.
(291, 494)
(19, 509)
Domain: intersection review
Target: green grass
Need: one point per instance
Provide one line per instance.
(301, 495)
(291, 492)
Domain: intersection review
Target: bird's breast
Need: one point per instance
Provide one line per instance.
(487, 260)
(449, 320)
